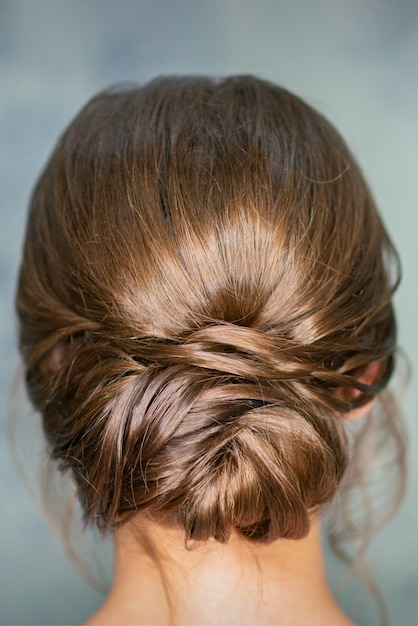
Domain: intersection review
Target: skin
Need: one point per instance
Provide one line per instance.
(284, 583)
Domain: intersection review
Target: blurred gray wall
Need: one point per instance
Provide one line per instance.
(356, 60)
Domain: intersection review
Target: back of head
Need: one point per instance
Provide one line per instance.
(205, 281)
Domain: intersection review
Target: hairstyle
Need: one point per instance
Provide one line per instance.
(205, 281)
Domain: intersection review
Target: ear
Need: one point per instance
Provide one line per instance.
(369, 377)
(361, 411)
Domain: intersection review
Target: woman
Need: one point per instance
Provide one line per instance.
(204, 302)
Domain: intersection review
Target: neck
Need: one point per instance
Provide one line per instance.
(157, 580)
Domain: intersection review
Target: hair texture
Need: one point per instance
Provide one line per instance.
(205, 282)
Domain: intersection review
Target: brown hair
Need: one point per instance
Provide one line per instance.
(205, 280)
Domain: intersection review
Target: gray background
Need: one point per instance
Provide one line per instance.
(356, 60)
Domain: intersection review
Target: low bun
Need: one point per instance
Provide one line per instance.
(196, 443)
